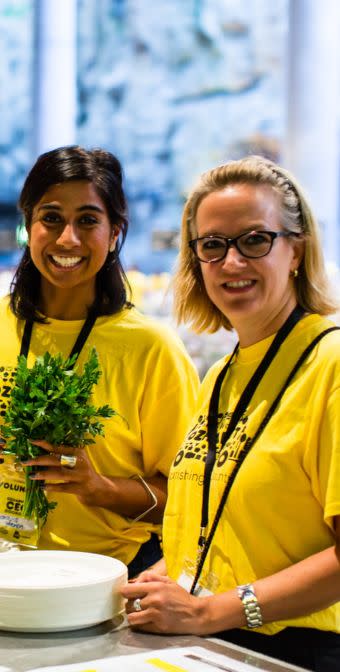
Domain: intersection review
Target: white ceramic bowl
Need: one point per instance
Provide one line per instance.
(48, 591)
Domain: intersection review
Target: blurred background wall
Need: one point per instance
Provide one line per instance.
(172, 88)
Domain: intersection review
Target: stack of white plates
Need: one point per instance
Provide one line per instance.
(45, 591)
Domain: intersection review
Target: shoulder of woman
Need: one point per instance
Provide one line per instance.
(316, 327)
(329, 347)
(214, 370)
(143, 332)
(155, 329)
(325, 356)
(5, 310)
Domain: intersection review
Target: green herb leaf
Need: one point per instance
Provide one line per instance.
(51, 401)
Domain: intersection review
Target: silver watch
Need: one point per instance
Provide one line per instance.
(252, 608)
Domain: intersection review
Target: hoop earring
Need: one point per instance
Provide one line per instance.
(295, 273)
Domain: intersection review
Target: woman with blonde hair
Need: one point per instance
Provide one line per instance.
(252, 522)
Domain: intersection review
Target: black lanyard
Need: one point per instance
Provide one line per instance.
(203, 550)
(242, 404)
(78, 346)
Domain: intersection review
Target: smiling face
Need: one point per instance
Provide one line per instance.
(70, 236)
(256, 295)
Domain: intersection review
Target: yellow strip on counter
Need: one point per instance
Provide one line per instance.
(162, 665)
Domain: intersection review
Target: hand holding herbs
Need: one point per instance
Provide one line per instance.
(51, 402)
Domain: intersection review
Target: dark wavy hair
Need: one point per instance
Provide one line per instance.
(104, 171)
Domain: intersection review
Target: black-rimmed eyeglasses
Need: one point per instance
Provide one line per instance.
(252, 245)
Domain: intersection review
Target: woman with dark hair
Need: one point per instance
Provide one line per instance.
(70, 288)
(70, 164)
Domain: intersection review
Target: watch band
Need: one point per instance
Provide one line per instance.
(251, 606)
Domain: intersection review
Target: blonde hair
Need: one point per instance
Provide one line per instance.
(191, 301)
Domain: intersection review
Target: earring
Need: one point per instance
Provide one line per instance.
(295, 273)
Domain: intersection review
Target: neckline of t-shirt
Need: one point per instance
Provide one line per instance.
(256, 352)
(71, 326)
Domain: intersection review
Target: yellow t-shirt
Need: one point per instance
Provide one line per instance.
(148, 378)
(281, 506)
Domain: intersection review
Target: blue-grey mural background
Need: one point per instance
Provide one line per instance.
(172, 88)
(16, 83)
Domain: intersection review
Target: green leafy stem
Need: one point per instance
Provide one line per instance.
(51, 401)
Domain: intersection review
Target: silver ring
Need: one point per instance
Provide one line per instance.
(68, 461)
(137, 604)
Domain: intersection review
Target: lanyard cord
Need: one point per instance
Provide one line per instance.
(26, 338)
(78, 346)
(249, 444)
(242, 404)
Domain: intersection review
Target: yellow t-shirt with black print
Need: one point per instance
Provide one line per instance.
(281, 506)
(148, 378)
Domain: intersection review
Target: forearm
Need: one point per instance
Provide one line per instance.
(128, 496)
(301, 589)
(306, 587)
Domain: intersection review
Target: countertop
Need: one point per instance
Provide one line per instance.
(24, 651)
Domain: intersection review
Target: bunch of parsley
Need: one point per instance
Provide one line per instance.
(51, 401)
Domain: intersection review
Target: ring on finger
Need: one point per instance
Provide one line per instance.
(137, 604)
(68, 461)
